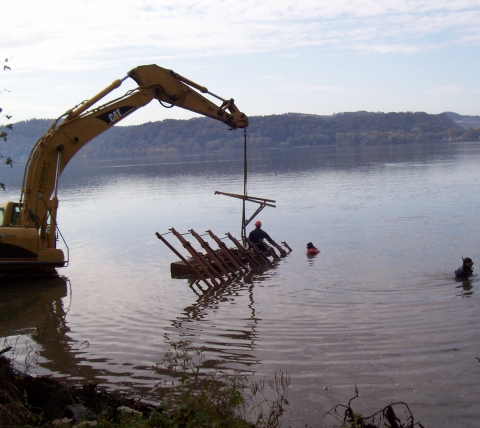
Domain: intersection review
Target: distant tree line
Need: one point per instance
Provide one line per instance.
(276, 131)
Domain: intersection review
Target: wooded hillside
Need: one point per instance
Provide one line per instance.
(276, 131)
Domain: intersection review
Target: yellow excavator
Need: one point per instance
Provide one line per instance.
(28, 228)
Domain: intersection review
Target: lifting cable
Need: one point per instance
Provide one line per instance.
(243, 232)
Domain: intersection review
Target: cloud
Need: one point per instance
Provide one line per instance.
(447, 90)
(454, 90)
(318, 88)
(93, 34)
(270, 77)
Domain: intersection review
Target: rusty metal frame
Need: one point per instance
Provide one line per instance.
(218, 262)
(207, 269)
(239, 265)
(263, 202)
(260, 254)
(244, 251)
(183, 259)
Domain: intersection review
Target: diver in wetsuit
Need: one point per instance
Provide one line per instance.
(466, 270)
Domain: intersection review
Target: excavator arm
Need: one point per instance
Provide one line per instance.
(78, 126)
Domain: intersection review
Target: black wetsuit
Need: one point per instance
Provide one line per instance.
(463, 272)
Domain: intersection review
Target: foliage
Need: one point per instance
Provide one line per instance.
(203, 135)
(385, 418)
(25, 360)
(42, 401)
(219, 399)
(26, 133)
(464, 121)
(197, 399)
(193, 396)
(275, 131)
(270, 404)
(3, 133)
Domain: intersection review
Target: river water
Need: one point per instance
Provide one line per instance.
(378, 308)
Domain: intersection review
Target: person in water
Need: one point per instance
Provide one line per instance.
(311, 249)
(257, 235)
(466, 270)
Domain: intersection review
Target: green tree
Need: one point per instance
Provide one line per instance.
(3, 127)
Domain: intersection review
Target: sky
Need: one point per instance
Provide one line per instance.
(271, 56)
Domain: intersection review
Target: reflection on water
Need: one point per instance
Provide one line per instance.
(232, 345)
(378, 307)
(311, 258)
(235, 346)
(466, 289)
(35, 308)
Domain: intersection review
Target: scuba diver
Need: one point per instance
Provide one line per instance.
(466, 270)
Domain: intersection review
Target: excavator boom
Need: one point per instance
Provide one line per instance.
(28, 228)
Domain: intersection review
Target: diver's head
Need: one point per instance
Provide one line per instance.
(468, 262)
(309, 245)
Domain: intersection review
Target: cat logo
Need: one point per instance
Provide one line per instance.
(111, 117)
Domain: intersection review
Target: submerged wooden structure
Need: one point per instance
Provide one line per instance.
(218, 264)
(213, 262)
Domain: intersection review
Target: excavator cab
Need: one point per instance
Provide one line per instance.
(9, 213)
(21, 248)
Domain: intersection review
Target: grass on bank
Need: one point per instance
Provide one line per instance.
(190, 398)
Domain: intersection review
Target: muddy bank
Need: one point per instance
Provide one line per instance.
(28, 400)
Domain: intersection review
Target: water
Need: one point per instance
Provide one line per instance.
(378, 308)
